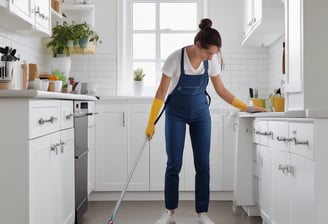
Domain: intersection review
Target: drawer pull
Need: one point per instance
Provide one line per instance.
(54, 148)
(68, 117)
(284, 139)
(297, 142)
(51, 120)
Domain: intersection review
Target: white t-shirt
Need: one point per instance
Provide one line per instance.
(172, 67)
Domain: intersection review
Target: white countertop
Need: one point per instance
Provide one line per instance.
(31, 93)
(308, 113)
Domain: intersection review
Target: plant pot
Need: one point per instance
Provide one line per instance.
(138, 88)
(63, 64)
(83, 42)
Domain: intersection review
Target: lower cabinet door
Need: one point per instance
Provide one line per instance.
(303, 192)
(265, 180)
(43, 162)
(281, 188)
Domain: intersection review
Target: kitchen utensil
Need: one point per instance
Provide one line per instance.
(25, 76)
(251, 94)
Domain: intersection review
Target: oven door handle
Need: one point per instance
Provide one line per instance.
(83, 154)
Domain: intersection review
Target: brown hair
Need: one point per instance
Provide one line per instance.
(207, 36)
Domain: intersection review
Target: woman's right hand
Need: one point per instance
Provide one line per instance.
(150, 130)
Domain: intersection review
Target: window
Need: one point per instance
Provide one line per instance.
(151, 30)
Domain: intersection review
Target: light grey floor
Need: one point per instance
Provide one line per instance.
(147, 212)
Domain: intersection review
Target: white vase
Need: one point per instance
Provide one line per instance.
(137, 87)
(63, 64)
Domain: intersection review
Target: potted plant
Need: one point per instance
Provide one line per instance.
(138, 76)
(61, 34)
(85, 34)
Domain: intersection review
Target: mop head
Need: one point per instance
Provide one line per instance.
(110, 222)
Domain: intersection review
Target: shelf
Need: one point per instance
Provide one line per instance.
(79, 13)
(79, 7)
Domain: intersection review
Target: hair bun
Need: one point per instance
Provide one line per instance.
(205, 24)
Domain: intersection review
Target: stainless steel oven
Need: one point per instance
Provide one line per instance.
(81, 158)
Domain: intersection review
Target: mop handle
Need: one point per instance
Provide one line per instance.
(129, 179)
(111, 220)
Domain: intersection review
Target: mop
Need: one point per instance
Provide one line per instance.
(112, 218)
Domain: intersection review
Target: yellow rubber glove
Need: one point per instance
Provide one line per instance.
(239, 104)
(154, 111)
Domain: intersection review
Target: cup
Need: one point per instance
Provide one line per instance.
(279, 104)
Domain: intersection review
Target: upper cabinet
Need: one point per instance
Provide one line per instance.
(29, 17)
(42, 18)
(306, 56)
(263, 22)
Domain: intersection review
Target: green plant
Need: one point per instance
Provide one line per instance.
(138, 74)
(83, 30)
(61, 34)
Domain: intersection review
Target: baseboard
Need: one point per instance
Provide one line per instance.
(154, 196)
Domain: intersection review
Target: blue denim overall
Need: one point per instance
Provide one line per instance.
(188, 104)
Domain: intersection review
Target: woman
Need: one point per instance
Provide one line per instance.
(185, 76)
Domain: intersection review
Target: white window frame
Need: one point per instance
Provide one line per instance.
(124, 40)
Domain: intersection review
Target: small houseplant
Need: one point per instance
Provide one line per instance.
(138, 74)
(84, 33)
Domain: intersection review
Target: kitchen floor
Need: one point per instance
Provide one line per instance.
(147, 212)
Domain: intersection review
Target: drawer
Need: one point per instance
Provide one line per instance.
(262, 135)
(280, 136)
(302, 136)
(66, 118)
(44, 117)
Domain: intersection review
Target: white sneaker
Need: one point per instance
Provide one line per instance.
(204, 219)
(166, 218)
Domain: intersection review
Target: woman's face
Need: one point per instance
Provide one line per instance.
(207, 54)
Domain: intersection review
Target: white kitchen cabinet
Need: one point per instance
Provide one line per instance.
(31, 17)
(22, 9)
(120, 130)
(298, 158)
(245, 177)
(265, 196)
(42, 16)
(281, 188)
(263, 22)
(52, 178)
(138, 118)
(252, 15)
(43, 161)
(306, 66)
(39, 155)
(111, 147)
(120, 133)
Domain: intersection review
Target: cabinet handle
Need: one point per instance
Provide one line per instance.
(291, 170)
(62, 143)
(284, 139)
(123, 119)
(51, 120)
(283, 168)
(297, 142)
(68, 117)
(54, 148)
